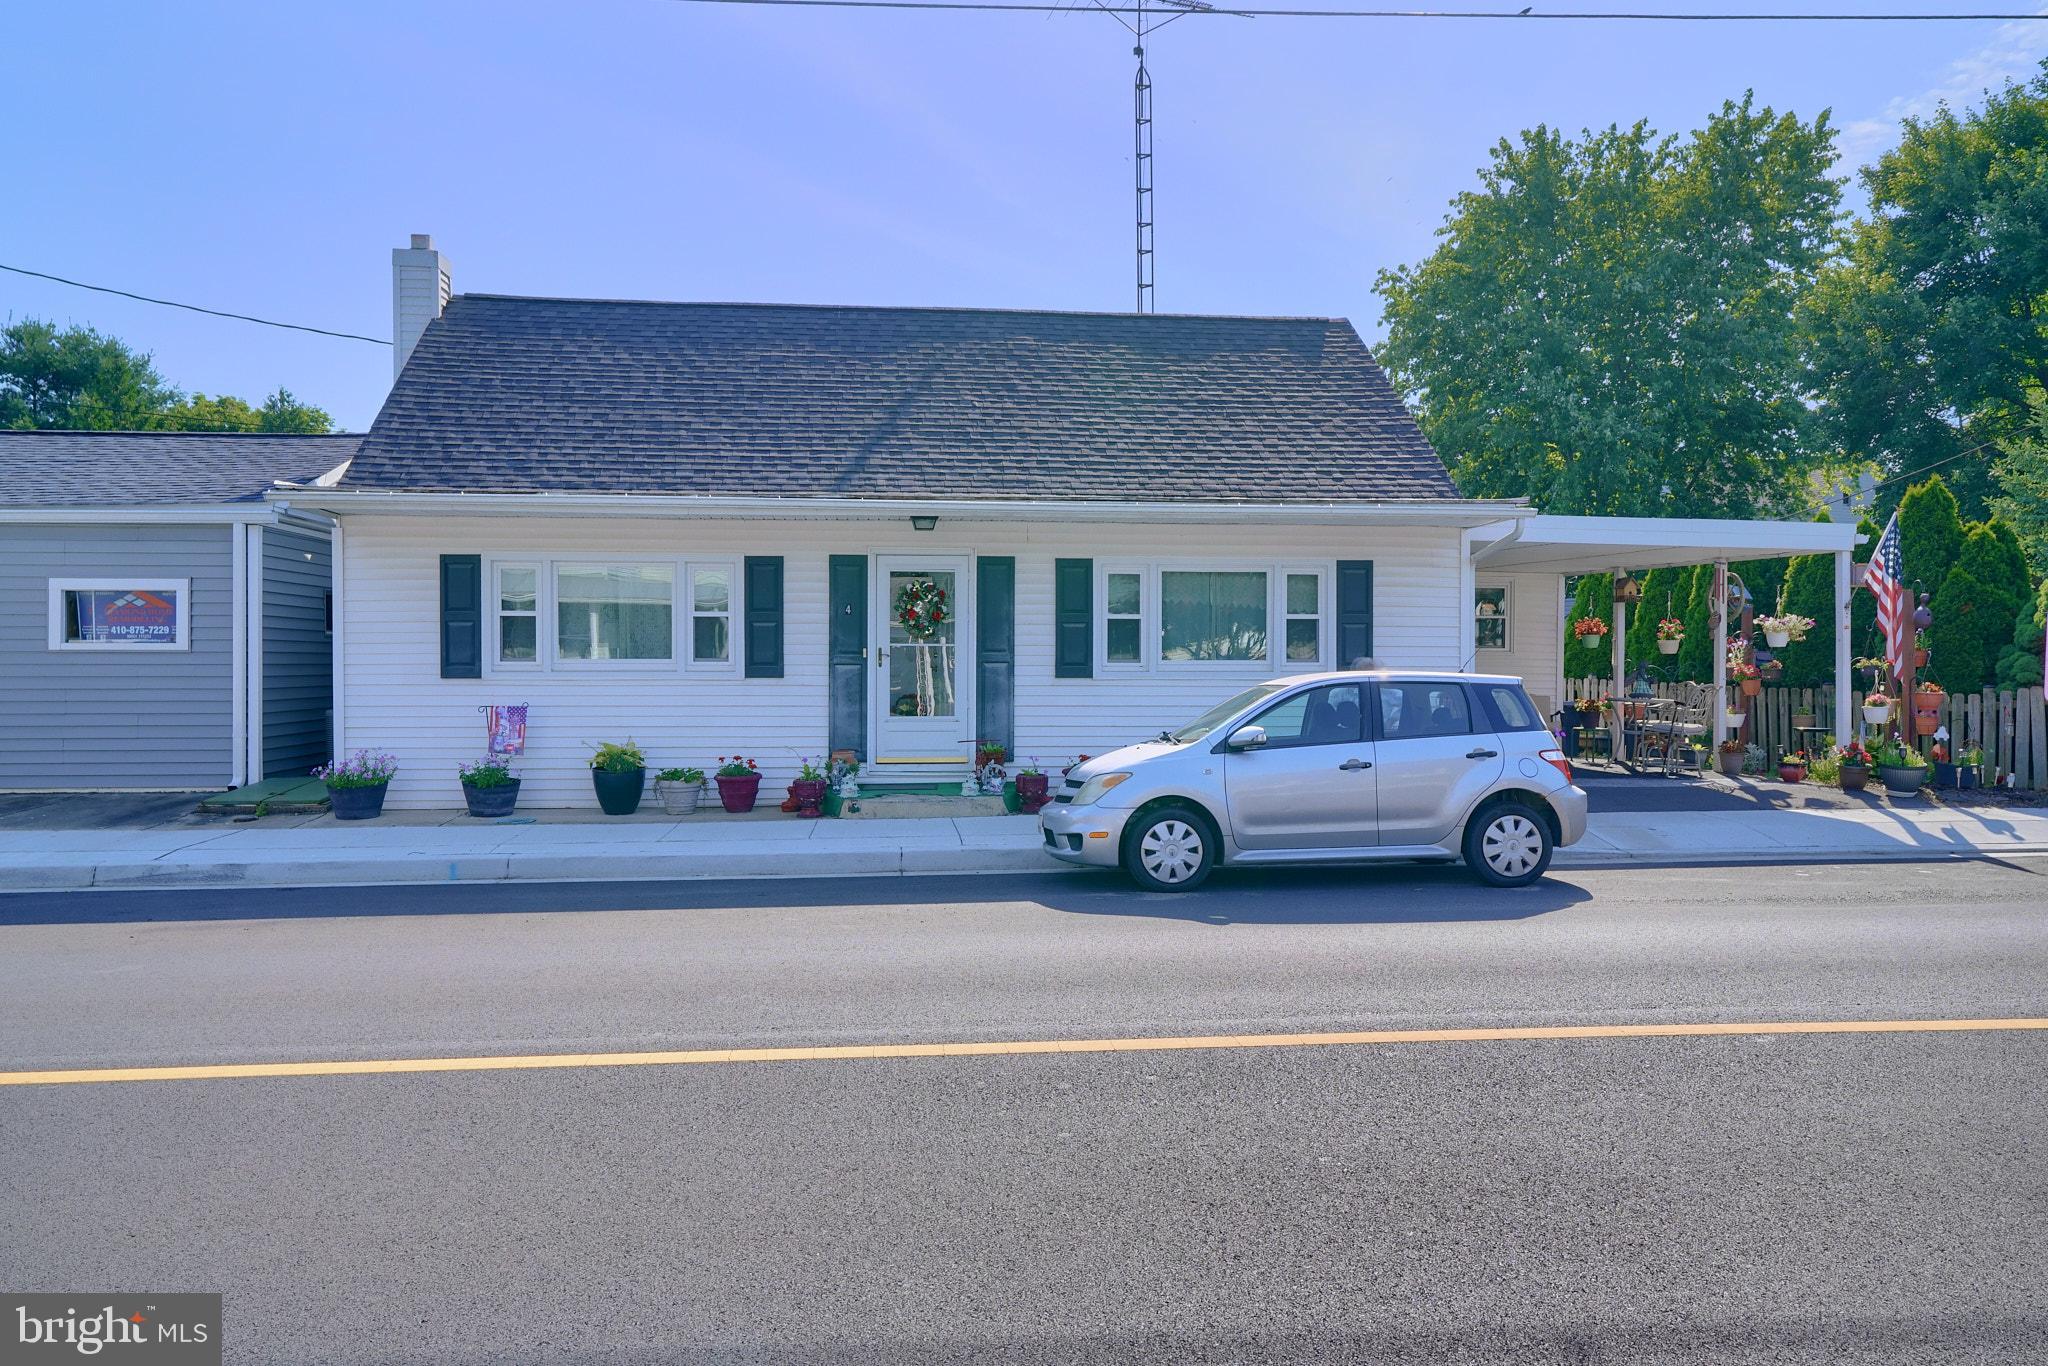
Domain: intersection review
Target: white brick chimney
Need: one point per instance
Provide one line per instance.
(419, 291)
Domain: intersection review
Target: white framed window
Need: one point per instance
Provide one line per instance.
(516, 633)
(1492, 617)
(713, 588)
(1213, 615)
(614, 614)
(120, 614)
(1122, 613)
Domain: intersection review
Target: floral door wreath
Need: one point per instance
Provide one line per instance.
(921, 608)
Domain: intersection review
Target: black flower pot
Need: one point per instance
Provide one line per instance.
(489, 802)
(1944, 774)
(1902, 782)
(1969, 775)
(357, 803)
(618, 793)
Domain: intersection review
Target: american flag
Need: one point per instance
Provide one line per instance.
(1882, 579)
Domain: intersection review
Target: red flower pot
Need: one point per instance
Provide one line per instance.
(1791, 773)
(808, 796)
(1032, 792)
(737, 794)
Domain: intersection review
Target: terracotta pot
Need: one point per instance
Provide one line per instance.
(737, 794)
(1791, 773)
(1854, 776)
(1752, 686)
(809, 793)
(1919, 659)
(1033, 792)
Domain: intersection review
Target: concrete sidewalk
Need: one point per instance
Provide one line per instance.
(326, 852)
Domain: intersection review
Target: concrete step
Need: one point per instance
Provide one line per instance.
(899, 805)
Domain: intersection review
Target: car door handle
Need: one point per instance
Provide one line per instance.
(1483, 754)
(1354, 764)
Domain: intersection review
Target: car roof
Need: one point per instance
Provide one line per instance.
(1397, 676)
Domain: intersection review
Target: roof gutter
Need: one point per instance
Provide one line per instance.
(1417, 512)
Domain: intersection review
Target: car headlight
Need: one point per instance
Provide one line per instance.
(1092, 791)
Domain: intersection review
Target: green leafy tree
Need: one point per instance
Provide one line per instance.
(1810, 592)
(1589, 658)
(78, 379)
(2021, 473)
(1607, 325)
(2019, 664)
(1930, 336)
(1696, 655)
(1973, 624)
(1993, 554)
(1930, 533)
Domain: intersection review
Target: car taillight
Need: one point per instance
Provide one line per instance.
(1555, 758)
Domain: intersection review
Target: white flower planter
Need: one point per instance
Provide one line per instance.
(1876, 716)
(679, 799)
(1669, 647)
(1777, 640)
(1734, 719)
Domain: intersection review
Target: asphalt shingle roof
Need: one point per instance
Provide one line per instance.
(583, 395)
(157, 469)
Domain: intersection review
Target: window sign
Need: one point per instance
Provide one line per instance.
(142, 614)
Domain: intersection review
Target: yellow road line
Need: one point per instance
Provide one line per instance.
(838, 1052)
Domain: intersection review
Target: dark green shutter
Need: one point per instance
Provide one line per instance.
(462, 616)
(1073, 618)
(995, 648)
(1354, 612)
(847, 665)
(764, 616)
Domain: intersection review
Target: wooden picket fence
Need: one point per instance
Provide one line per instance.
(2011, 728)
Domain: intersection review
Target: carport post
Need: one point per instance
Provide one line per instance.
(1844, 672)
(1718, 614)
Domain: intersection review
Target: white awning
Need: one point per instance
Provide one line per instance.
(1587, 545)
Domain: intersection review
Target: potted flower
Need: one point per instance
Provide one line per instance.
(1919, 649)
(1732, 752)
(1855, 762)
(739, 783)
(808, 789)
(1033, 789)
(1589, 626)
(1944, 771)
(1970, 767)
(1744, 674)
(1802, 720)
(1927, 707)
(1698, 757)
(1670, 635)
(1769, 667)
(1792, 767)
(1783, 628)
(1877, 708)
(680, 789)
(490, 788)
(356, 785)
(1902, 769)
(619, 773)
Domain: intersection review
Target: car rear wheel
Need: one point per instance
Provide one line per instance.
(1508, 845)
(1169, 850)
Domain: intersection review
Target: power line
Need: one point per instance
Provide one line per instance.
(1909, 474)
(195, 308)
(1662, 16)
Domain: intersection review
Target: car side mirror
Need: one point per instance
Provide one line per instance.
(1248, 737)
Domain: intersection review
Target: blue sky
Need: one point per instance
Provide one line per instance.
(265, 158)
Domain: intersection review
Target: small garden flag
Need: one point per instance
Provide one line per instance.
(507, 729)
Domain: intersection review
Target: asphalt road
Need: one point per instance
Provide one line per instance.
(1869, 1197)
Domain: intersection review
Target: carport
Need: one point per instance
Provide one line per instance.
(1563, 546)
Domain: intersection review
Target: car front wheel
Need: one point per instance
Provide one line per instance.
(1508, 845)
(1169, 850)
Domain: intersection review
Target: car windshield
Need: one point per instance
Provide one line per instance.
(1221, 712)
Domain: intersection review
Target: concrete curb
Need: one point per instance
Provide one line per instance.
(418, 870)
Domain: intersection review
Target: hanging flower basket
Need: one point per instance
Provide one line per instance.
(1586, 627)
(1734, 719)
(1752, 686)
(1668, 645)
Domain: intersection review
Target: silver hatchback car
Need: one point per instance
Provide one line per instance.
(1351, 767)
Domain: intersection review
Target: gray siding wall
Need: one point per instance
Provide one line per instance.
(298, 653)
(111, 718)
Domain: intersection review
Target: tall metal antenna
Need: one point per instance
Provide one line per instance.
(1141, 92)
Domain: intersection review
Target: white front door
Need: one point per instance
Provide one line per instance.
(924, 672)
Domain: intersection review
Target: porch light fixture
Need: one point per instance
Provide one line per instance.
(925, 523)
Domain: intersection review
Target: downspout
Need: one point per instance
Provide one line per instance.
(238, 633)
